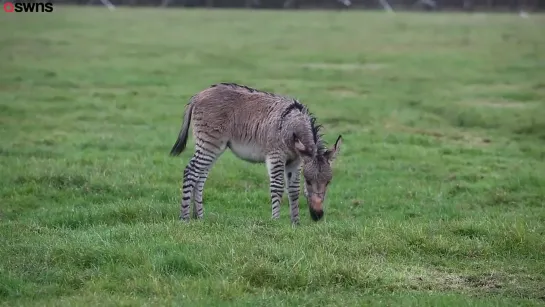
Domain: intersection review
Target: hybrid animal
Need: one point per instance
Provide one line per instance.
(258, 127)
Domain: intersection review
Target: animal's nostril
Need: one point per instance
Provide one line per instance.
(316, 215)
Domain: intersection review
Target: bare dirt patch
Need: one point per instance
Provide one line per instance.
(437, 279)
(344, 91)
(491, 281)
(497, 104)
(458, 137)
(492, 87)
(428, 278)
(345, 66)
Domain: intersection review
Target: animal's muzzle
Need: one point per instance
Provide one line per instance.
(315, 207)
(316, 215)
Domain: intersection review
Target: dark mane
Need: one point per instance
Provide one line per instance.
(314, 126)
(247, 88)
(295, 105)
(316, 129)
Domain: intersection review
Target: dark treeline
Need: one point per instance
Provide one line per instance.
(422, 5)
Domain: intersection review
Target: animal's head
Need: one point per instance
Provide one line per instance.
(317, 175)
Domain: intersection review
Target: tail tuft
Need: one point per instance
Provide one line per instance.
(178, 147)
(181, 142)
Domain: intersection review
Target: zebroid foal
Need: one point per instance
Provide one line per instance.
(258, 127)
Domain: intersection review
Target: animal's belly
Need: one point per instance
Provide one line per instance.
(250, 153)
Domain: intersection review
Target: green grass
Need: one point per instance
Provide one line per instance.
(438, 197)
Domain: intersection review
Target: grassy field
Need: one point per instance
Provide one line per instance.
(438, 197)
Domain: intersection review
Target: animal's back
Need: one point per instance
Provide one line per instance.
(242, 117)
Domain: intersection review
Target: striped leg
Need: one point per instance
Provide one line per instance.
(293, 172)
(195, 175)
(191, 174)
(275, 168)
(198, 210)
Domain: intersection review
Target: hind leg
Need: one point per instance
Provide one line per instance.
(198, 210)
(195, 174)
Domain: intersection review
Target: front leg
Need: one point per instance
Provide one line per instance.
(275, 168)
(293, 173)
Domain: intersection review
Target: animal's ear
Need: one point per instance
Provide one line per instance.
(331, 154)
(301, 148)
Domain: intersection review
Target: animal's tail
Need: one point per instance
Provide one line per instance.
(181, 142)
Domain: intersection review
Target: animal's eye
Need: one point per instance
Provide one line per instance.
(308, 182)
